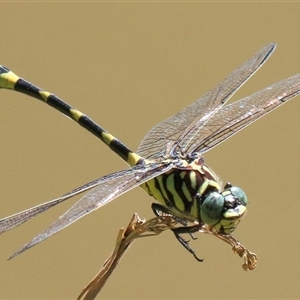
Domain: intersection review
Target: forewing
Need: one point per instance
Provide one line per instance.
(184, 126)
(237, 115)
(105, 192)
(17, 219)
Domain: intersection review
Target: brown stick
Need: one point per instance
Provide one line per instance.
(136, 228)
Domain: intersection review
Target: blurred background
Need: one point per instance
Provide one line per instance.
(129, 66)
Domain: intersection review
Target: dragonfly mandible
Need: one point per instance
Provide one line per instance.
(169, 162)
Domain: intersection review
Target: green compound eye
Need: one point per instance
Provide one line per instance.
(238, 193)
(212, 208)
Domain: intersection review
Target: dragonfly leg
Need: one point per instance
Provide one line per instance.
(192, 236)
(188, 229)
(159, 210)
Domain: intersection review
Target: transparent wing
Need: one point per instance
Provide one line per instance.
(182, 127)
(105, 192)
(17, 219)
(237, 115)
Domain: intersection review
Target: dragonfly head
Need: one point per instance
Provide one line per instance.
(223, 211)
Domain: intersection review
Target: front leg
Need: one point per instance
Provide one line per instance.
(188, 229)
(159, 209)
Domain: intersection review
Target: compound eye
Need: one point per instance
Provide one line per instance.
(212, 208)
(238, 193)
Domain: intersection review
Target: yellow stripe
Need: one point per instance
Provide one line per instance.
(203, 187)
(170, 182)
(214, 184)
(161, 187)
(156, 193)
(207, 183)
(107, 137)
(186, 191)
(8, 80)
(208, 170)
(171, 188)
(195, 210)
(76, 114)
(192, 176)
(132, 159)
(44, 95)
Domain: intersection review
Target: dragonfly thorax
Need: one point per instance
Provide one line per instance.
(178, 188)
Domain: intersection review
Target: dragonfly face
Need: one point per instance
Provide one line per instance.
(168, 163)
(223, 211)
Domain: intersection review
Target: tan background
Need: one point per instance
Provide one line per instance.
(129, 66)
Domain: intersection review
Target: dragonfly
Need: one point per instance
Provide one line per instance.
(168, 163)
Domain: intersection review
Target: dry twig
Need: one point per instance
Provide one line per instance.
(136, 228)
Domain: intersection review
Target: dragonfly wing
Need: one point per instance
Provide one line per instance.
(183, 126)
(237, 115)
(17, 219)
(105, 192)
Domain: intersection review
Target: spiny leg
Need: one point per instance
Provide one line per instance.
(159, 209)
(188, 229)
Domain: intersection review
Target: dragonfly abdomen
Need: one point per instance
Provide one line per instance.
(9, 80)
